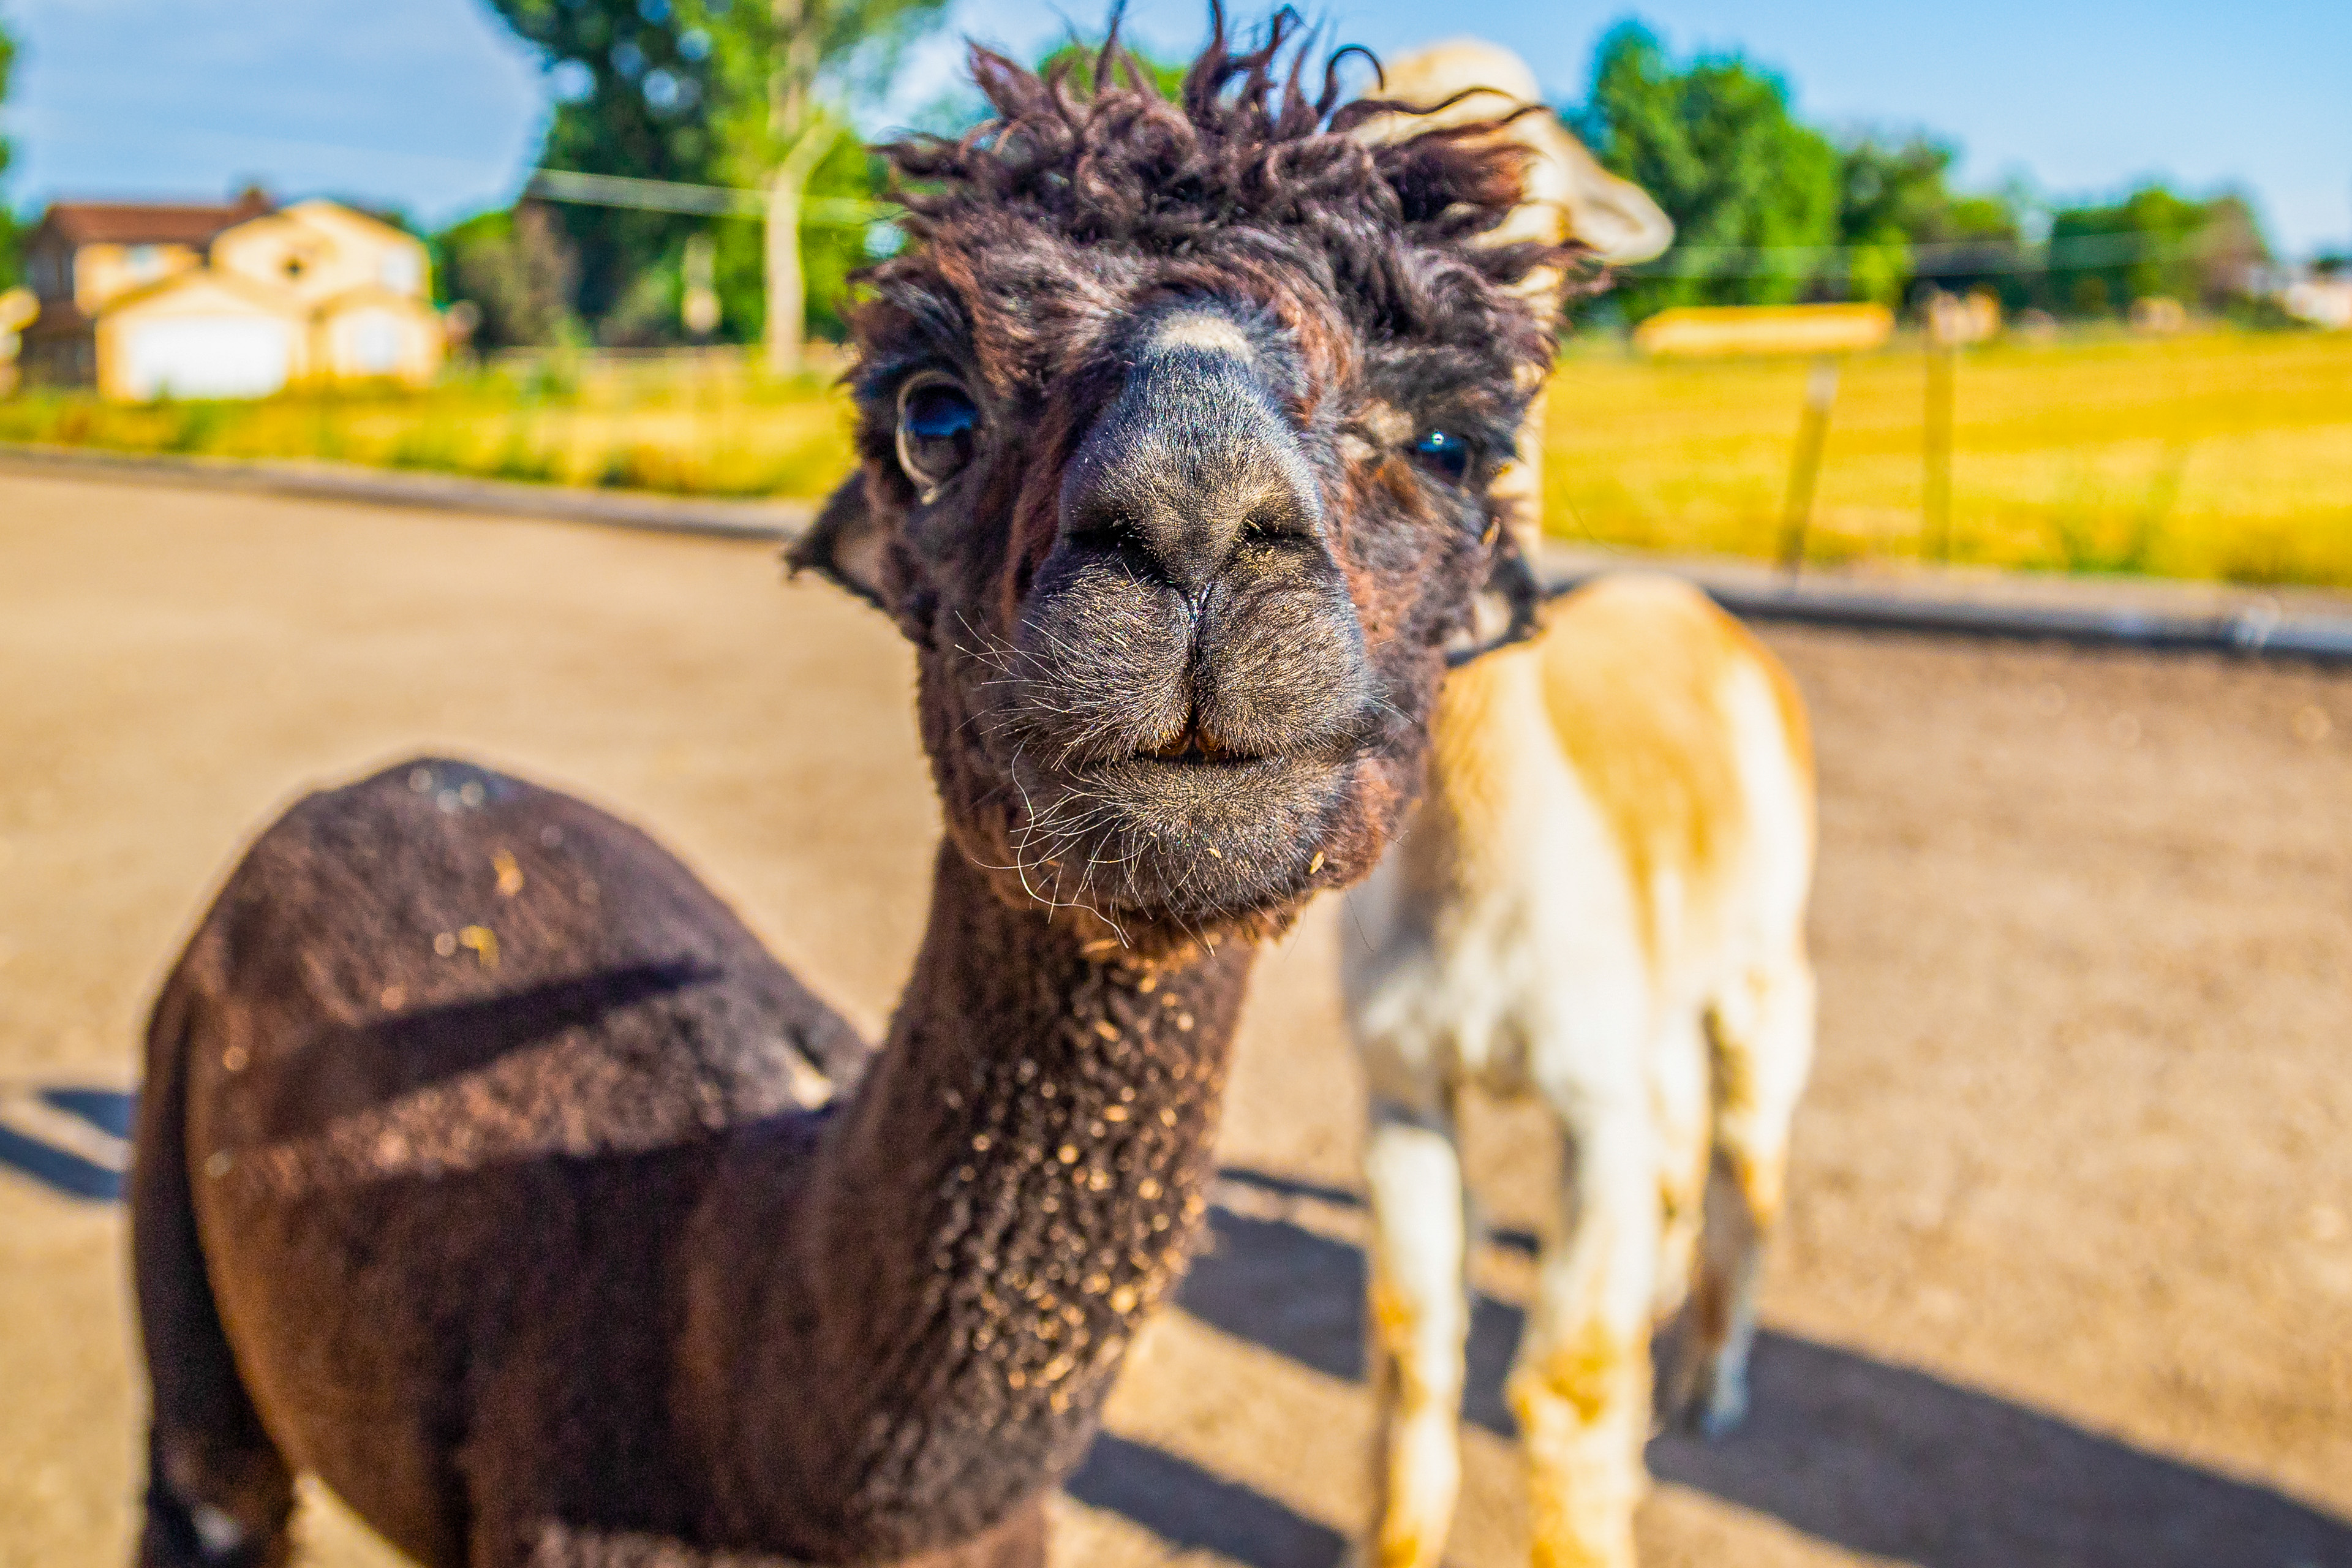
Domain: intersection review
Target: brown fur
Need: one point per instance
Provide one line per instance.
(488, 1168)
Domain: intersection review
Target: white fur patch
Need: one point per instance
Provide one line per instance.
(1201, 330)
(218, 1530)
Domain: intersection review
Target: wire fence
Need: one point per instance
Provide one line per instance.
(2075, 253)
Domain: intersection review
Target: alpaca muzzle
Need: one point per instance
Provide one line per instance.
(1193, 684)
(1194, 459)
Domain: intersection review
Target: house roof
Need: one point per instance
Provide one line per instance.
(148, 223)
(256, 298)
(371, 294)
(333, 211)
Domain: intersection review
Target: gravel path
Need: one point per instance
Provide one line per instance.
(2068, 1276)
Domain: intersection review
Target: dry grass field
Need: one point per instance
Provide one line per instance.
(2067, 1275)
(689, 425)
(2213, 454)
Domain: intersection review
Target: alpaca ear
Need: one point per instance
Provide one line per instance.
(845, 544)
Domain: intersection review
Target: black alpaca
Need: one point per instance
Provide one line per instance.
(489, 1169)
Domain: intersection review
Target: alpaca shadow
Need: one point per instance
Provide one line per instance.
(89, 1161)
(1873, 1457)
(74, 1141)
(1194, 1510)
(358, 1066)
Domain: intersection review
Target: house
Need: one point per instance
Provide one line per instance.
(2323, 298)
(237, 300)
(83, 257)
(361, 282)
(17, 308)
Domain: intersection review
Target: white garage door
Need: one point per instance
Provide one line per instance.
(209, 356)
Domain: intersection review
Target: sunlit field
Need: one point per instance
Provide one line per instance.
(703, 424)
(2212, 454)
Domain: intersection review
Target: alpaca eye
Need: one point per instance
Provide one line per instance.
(937, 422)
(1443, 453)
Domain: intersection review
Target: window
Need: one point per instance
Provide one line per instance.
(399, 272)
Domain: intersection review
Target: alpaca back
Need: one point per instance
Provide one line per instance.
(1691, 743)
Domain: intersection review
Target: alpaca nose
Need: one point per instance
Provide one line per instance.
(1194, 457)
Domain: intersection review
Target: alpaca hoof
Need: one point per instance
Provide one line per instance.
(1709, 1402)
(1720, 1417)
(177, 1534)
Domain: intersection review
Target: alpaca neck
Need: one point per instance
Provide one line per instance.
(980, 1232)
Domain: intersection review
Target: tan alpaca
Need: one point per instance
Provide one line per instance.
(1600, 902)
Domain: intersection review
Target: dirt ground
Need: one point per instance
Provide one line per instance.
(2068, 1275)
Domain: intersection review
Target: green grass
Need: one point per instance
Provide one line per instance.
(2212, 454)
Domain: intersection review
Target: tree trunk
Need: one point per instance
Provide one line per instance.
(805, 133)
(787, 289)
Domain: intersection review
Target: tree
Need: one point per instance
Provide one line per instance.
(1163, 77)
(519, 270)
(9, 237)
(1902, 224)
(959, 108)
(1890, 195)
(1715, 145)
(747, 93)
(781, 74)
(830, 253)
(2156, 243)
(634, 88)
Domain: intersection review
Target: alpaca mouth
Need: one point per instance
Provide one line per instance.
(1216, 775)
(1195, 757)
(1197, 746)
(1183, 830)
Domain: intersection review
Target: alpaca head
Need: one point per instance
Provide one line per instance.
(1178, 426)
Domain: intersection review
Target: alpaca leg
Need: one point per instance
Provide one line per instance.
(1679, 1109)
(1581, 1388)
(219, 1494)
(1763, 1034)
(1419, 1321)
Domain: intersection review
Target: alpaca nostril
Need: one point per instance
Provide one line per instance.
(1108, 529)
(1264, 527)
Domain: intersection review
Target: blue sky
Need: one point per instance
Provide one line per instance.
(427, 105)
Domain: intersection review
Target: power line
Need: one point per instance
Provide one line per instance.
(1961, 257)
(570, 185)
(707, 201)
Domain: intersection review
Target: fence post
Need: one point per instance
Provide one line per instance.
(1944, 333)
(1812, 435)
